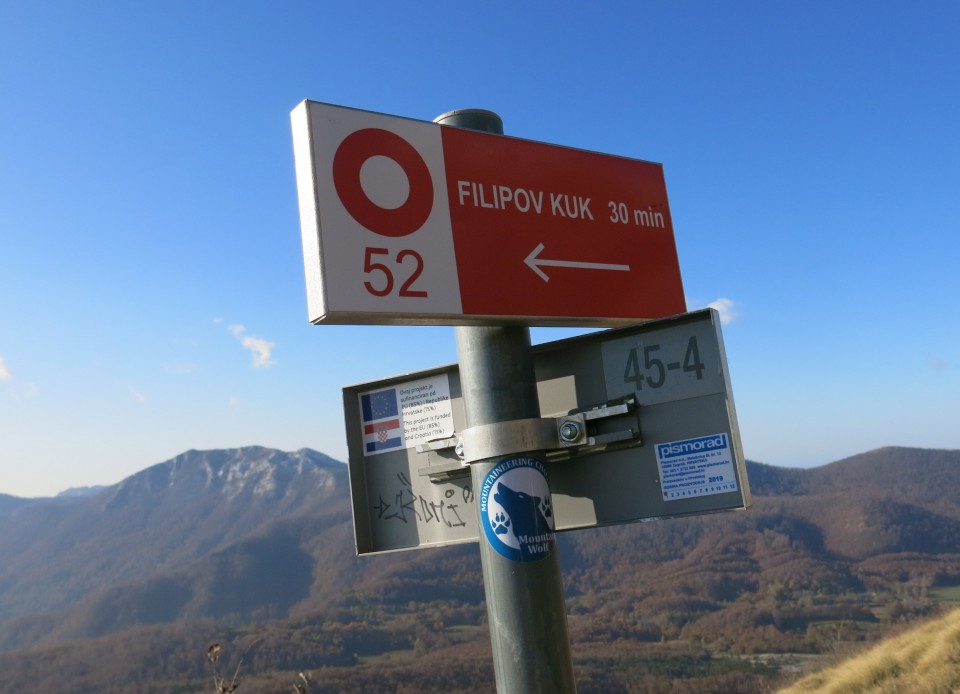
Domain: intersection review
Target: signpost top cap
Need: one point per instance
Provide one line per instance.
(472, 119)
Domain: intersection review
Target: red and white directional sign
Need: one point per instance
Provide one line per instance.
(411, 222)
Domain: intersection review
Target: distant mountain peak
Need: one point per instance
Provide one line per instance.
(80, 492)
(160, 518)
(249, 472)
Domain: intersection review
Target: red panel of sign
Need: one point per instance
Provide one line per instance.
(551, 231)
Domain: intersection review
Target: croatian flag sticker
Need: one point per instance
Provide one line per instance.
(380, 414)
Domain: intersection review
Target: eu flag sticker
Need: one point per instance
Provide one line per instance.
(381, 421)
(382, 403)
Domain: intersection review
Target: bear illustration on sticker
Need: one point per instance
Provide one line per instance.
(527, 517)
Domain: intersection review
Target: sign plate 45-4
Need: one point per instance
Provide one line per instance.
(661, 437)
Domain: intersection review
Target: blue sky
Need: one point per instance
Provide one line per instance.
(151, 281)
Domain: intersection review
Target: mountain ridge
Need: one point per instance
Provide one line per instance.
(13, 500)
(259, 536)
(159, 519)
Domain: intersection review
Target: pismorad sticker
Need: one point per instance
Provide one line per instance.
(696, 467)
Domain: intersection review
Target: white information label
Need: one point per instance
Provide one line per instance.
(696, 467)
(406, 414)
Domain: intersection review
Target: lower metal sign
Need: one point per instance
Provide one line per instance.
(645, 429)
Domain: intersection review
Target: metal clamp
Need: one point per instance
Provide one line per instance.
(594, 438)
(561, 437)
(505, 438)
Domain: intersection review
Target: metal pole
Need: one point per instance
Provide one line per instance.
(524, 590)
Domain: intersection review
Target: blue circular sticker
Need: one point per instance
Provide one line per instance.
(516, 510)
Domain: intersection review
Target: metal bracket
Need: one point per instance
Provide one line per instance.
(600, 430)
(561, 437)
(450, 449)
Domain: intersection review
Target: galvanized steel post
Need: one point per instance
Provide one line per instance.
(525, 605)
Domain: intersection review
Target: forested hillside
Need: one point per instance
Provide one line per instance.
(125, 589)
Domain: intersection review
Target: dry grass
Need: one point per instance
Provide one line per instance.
(924, 660)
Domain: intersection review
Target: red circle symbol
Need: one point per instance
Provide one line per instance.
(356, 149)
